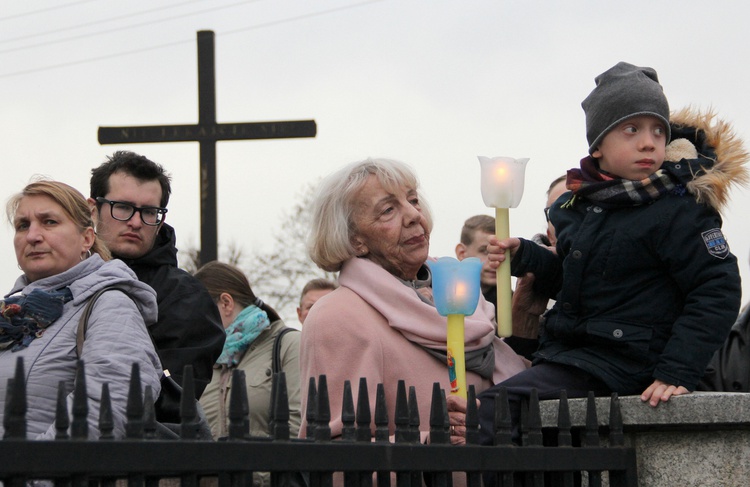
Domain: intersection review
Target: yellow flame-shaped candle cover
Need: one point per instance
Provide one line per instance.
(502, 188)
(455, 289)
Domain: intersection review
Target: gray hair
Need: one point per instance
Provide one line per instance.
(329, 243)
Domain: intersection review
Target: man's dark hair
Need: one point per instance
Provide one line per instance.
(134, 165)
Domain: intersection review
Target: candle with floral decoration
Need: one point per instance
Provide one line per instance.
(456, 289)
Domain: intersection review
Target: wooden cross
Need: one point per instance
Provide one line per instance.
(206, 133)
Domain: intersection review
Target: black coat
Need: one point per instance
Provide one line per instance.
(188, 329)
(729, 369)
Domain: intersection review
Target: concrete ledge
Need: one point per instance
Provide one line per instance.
(699, 439)
(699, 410)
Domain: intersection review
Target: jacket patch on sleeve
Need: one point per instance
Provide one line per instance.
(716, 243)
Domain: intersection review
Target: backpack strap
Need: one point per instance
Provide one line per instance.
(83, 323)
(276, 357)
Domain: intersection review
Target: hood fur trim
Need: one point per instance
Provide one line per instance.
(715, 141)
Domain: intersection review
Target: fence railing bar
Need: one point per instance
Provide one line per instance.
(106, 421)
(280, 425)
(364, 416)
(348, 416)
(401, 416)
(473, 479)
(190, 423)
(382, 432)
(591, 437)
(206, 457)
(62, 420)
(414, 421)
(564, 437)
(312, 403)
(14, 420)
(149, 414)
(134, 408)
(438, 417)
(533, 436)
(243, 403)
(79, 425)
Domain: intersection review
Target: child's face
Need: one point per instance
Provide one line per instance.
(634, 149)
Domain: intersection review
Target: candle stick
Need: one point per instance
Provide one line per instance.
(455, 289)
(502, 188)
(504, 296)
(456, 355)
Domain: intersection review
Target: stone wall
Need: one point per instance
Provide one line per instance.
(699, 439)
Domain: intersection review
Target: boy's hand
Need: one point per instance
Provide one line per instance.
(496, 250)
(661, 392)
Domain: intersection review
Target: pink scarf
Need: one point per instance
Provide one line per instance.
(420, 322)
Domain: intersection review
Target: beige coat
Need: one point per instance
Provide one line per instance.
(258, 376)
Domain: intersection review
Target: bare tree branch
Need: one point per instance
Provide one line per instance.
(277, 275)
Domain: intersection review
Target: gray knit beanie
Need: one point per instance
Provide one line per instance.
(622, 92)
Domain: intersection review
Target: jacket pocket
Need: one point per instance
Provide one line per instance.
(260, 377)
(635, 337)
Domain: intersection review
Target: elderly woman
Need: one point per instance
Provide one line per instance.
(64, 263)
(370, 223)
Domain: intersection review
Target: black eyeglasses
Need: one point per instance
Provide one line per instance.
(150, 215)
(546, 213)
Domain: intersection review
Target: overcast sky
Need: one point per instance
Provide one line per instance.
(433, 83)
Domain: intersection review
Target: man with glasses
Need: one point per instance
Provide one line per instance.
(129, 196)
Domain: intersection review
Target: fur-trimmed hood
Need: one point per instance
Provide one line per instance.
(715, 155)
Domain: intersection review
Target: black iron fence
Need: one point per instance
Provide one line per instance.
(357, 458)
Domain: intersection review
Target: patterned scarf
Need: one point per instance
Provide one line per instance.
(591, 183)
(24, 318)
(241, 333)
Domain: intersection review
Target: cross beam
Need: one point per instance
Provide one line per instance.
(207, 132)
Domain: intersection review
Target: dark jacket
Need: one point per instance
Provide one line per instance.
(729, 369)
(524, 347)
(188, 329)
(644, 292)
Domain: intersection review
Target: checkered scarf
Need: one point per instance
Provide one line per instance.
(591, 183)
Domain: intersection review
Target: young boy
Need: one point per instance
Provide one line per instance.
(645, 286)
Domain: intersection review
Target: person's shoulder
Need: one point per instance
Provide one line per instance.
(340, 300)
(685, 208)
(337, 310)
(289, 338)
(175, 282)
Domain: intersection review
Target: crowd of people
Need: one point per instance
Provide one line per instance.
(631, 288)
